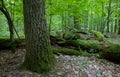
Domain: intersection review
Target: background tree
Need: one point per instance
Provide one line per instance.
(39, 57)
(119, 25)
(62, 13)
(4, 10)
(108, 17)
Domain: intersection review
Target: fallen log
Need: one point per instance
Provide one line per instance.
(106, 49)
(6, 43)
(87, 45)
(66, 51)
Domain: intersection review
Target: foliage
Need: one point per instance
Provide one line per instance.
(69, 9)
(15, 9)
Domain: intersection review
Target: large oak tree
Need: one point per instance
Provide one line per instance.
(39, 57)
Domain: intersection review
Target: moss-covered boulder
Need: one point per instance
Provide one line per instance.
(72, 36)
(111, 53)
(98, 35)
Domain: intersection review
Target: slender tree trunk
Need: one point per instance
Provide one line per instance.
(76, 23)
(50, 22)
(39, 56)
(86, 20)
(108, 17)
(112, 27)
(10, 23)
(116, 24)
(102, 19)
(64, 23)
(91, 21)
(119, 25)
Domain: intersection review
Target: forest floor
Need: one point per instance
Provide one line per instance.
(67, 66)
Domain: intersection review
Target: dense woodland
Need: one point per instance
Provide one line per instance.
(38, 32)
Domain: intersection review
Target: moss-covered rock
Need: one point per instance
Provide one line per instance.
(72, 36)
(98, 35)
(111, 53)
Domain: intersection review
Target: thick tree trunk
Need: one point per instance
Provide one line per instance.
(39, 57)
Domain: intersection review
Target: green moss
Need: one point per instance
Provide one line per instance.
(66, 51)
(98, 35)
(72, 36)
(111, 53)
(85, 53)
(88, 44)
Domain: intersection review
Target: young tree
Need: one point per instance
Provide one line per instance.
(119, 25)
(39, 57)
(102, 19)
(108, 16)
(4, 10)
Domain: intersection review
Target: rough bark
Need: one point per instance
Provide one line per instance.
(39, 57)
